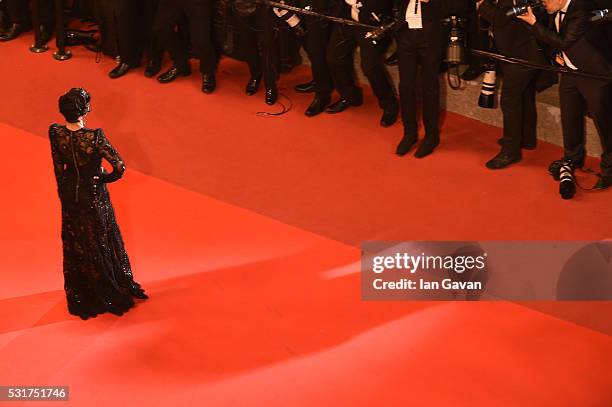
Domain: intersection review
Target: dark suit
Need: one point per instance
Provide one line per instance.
(513, 38)
(582, 43)
(343, 42)
(422, 47)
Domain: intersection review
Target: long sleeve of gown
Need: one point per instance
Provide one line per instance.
(108, 153)
(58, 162)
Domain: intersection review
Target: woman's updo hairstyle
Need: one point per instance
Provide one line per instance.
(74, 104)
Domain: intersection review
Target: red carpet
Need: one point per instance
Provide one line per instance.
(228, 217)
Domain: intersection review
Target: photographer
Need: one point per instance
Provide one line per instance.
(131, 22)
(513, 38)
(344, 40)
(579, 46)
(420, 42)
(199, 15)
(256, 25)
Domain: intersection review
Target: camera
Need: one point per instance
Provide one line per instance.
(563, 171)
(455, 51)
(522, 5)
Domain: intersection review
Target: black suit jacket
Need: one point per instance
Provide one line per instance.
(584, 43)
(512, 36)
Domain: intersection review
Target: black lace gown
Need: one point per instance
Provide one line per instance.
(97, 272)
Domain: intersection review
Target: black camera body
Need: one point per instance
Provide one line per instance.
(522, 5)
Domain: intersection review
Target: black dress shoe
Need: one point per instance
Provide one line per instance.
(253, 86)
(341, 106)
(271, 96)
(317, 106)
(119, 71)
(389, 116)
(307, 87)
(502, 160)
(153, 67)
(603, 182)
(473, 72)
(173, 73)
(427, 147)
(13, 32)
(209, 82)
(405, 145)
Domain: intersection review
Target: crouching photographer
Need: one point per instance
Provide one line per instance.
(574, 40)
(518, 103)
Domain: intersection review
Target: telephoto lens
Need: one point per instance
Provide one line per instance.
(489, 84)
(521, 9)
(567, 186)
(516, 11)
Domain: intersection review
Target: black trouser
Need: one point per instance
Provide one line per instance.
(579, 95)
(477, 38)
(344, 40)
(414, 49)
(125, 20)
(315, 45)
(134, 25)
(152, 43)
(19, 13)
(518, 107)
(257, 38)
(199, 14)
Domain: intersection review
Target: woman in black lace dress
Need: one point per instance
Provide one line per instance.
(97, 273)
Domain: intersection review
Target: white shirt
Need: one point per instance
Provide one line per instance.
(355, 6)
(558, 20)
(413, 15)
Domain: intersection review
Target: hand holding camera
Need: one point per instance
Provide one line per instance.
(527, 16)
